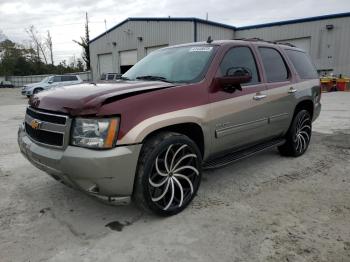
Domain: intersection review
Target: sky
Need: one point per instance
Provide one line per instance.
(65, 18)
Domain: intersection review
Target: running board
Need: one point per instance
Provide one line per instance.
(238, 155)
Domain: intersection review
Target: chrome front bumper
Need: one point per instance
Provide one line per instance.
(107, 174)
(26, 93)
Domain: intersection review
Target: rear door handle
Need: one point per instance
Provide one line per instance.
(292, 90)
(259, 96)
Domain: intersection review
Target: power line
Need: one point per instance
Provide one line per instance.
(48, 27)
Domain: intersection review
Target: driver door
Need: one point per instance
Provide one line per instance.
(239, 119)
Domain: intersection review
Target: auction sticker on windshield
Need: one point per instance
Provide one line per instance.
(201, 49)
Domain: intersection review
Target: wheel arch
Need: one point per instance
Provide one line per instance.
(306, 104)
(190, 129)
(36, 88)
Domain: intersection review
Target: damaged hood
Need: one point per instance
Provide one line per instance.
(88, 98)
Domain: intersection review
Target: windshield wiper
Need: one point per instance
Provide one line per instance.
(156, 78)
(124, 78)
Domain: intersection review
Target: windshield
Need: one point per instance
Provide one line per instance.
(46, 79)
(178, 64)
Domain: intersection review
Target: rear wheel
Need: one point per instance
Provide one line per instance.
(298, 136)
(168, 175)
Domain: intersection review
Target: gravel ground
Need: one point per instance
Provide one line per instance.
(266, 208)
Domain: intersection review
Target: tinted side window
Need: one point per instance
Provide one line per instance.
(275, 67)
(57, 79)
(110, 77)
(240, 57)
(69, 78)
(302, 64)
(66, 78)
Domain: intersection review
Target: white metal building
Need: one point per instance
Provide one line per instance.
(326, 38)
(116, 50)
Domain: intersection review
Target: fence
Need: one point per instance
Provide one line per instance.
(20, 81)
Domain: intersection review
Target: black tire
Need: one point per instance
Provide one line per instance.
(37, 90)
(174, 190)
(298, 136)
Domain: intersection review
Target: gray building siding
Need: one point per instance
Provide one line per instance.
(154, 33)
(127, 37)
(216, 32)
(329, 49)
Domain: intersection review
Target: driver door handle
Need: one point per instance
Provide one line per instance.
(259, 96)
(292, 90)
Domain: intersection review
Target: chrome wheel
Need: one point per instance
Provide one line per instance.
(302, 133)
(175, 177)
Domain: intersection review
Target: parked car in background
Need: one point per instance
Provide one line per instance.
(8, 84)
(179, 110)
(50, 82)
(110, 76)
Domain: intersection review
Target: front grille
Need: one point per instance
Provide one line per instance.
(45, 137)
(61, 120)
(47, 128)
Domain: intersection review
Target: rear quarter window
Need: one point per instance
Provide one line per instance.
(302, 64)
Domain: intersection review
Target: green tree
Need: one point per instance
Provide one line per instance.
(16, 59)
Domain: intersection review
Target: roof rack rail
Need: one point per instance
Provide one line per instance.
(256, 39)
(287, 44)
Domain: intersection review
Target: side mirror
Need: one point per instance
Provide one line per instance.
(50, 82)
(235, 76)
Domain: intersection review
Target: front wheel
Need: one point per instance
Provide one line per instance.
(298, 136)
(37, 90)
(168, 175)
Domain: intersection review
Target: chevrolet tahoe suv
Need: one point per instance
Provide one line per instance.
(178, 111)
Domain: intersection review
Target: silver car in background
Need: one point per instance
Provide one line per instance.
(50, 82)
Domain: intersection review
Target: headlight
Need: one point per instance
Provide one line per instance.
(100, 133)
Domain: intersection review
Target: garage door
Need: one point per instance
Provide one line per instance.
(105, 63)
(127, 60)
(302, 43)
(154, 48)
(128, 57)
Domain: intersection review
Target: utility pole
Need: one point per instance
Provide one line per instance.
(87, 27)
(106, 31)
(49, 45)
(84, 43)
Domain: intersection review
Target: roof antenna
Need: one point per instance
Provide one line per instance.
(209, 40)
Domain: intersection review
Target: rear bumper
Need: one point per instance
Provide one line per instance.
(107, 174)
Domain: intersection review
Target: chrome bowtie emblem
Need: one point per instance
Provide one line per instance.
(35, 124)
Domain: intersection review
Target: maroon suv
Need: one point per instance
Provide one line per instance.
(179, 110)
